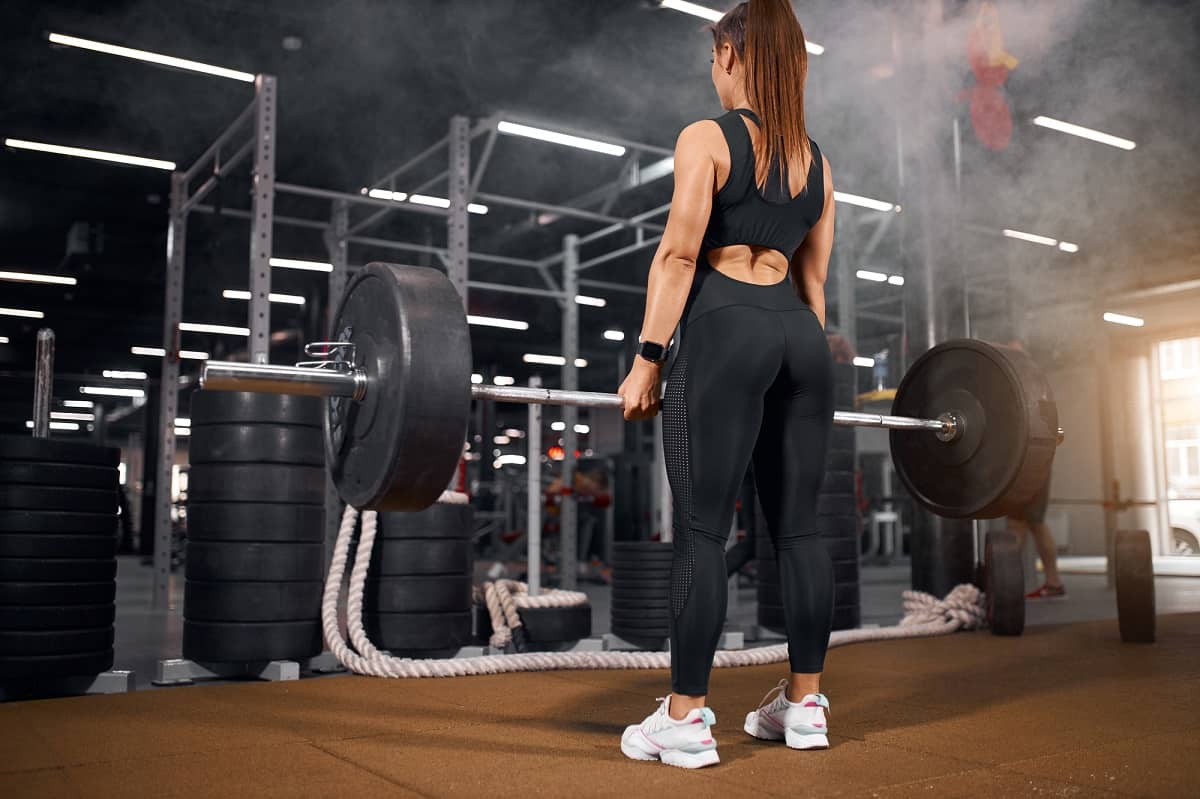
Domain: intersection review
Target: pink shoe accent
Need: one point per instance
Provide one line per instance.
(811, 704)
(697, 721)
(815, 724)
(706, 741)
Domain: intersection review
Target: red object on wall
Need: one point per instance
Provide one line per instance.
(991, 63)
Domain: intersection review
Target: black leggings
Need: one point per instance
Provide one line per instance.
(753, 380)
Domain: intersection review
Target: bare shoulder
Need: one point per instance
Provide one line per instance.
(828, 172)
(699, 136)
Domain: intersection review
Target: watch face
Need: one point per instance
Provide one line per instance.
(651, 351)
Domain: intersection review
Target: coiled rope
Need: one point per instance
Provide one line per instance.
(925, 616)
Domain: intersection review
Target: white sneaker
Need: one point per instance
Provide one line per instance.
(687, 743)
(801, 724)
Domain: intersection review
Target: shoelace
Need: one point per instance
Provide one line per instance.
(776, 703)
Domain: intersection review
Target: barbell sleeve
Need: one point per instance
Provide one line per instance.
(313, 382)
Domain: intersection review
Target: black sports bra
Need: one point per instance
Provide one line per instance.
(742, 214)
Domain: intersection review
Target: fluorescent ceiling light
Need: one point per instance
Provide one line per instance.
(580, 363)
(73, 417)
(582, 428)
(549, 360)
(712, 15)
(183, 431)
(153, 58)
(122, 374)
(558, 426)
(29, 277)
(476, 378)
(492, 321)
(1122, 319)
(896, 280)
(284, 299)
(874, 277)
(614, 335)
(1067, 246)
(501, 440)
(56, 425)
(21, 312)
(96, 155)
(308, 266)
(862, 361)
(159, 352)
(1030, 237)
(595, 302)
(384, 194)
(105, 391)
(541, 134)
(77, 403)
(228, 330)
(506, 460)
(503, 380)
(3, 339)
(813, 47)
(659, 169)
(865, 202)
(514, 432)
(181, 421)
(1086, 133)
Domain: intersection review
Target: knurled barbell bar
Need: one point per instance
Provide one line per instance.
(397, 373)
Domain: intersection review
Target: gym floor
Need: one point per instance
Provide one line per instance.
(1065, 710)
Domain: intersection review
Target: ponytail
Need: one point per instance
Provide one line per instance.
(768, 39)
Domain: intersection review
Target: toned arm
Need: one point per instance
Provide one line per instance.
(810, 264)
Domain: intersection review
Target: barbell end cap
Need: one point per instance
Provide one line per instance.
(360, 385)
(952, 427)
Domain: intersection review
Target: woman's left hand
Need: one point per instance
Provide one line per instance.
(641, 390)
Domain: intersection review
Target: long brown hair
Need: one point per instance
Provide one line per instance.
(768, 39)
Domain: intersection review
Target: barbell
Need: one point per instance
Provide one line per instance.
(974, 433)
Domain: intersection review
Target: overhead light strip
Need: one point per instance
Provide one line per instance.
(1032, 238)
(283, 299)
(107, 391)
(555, 137)
(1123, 319)
(21, 312)
(307, 266)
(153, 58)
(492, 321)
(712, 15)
(70, 426)
(95, 155)
(225, 330)
(159, 352)
(1084, 133)
(864, 202)
(32, 277)
(122, 374)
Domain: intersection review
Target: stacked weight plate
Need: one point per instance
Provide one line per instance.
(641, 590)
(838, 522)
(58, 543)
(255, 552)
(417, 600)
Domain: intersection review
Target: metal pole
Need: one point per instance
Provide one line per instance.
(262, 208)
(458, 218)
(168, 404)
(533, 467)
(570, 381)
(43, 383)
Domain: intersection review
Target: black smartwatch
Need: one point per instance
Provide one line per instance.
(655, 353)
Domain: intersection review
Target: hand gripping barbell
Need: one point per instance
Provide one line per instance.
(974, 433)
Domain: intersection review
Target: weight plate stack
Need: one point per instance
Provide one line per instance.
(839, 524)
(58, 545)
(641, 591)
(255, 551)
(417, 599)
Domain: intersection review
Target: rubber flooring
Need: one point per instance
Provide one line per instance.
(1065, 710)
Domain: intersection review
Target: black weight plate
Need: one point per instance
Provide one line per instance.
(54, 642)
(28, 448)
(628, 590)
(254, 521)
(547, 625)
(246, 407)
(61, 475)
(643, 594)
(56, 617)
(405, 557)
(398, 448)
(1134, 567)
(439, 520)
(847, 617)
(840, 460)
(836, 505)
(1004, 583)
(1004, 454)
(846, 571)
(651, 640)
(627, 629)
(66, 523)
(842, 548)
(81, 500)
(838, 482)
(255, 562)
(417, 594)
(635, 609)
(57, 593)
(637, 579)
(248, 642)
(636, 559)
(256, 443)
(846, 525)
(86, 547)
(57, 570)
(44, 666)
(645, 568)
(842, 438)
(399, 633)
(251, 602)
(244, 482)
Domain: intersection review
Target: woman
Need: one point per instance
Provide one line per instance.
(742, 266)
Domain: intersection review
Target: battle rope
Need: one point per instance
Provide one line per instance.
(925, 616)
